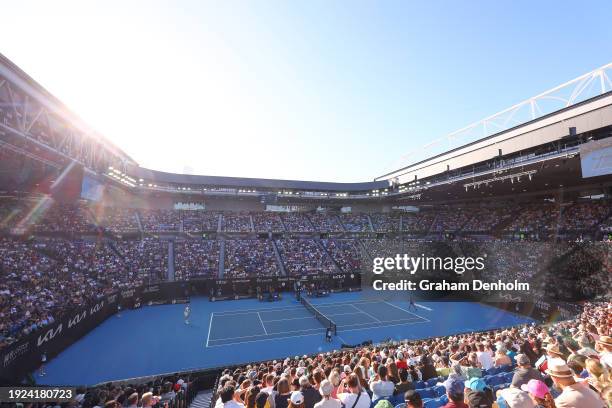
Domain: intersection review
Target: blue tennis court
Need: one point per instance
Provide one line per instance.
(156, 340)
(245, 326)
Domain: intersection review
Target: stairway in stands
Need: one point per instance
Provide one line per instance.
(202, 400)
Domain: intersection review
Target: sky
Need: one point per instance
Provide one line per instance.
(330, 90)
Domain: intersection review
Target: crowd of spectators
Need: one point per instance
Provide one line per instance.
(385, 222)
(304, 257)
(252, 257)
(564, 365)
(41, 280)
(196, 258)
(418, 222)
(42, 214)
(535, 217)
(12, 211)
(162, 392)
(117, 220)
(199, 221)
(52, 216)
(148, 258)
(486, 218)
(325, 222)
(345, 252)
(237, 222)
(267, 222)
(451, 220)
(297, 222)
(160, 220)
(356, 222)
(582, 216)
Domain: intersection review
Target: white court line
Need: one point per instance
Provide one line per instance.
(318, 329)
(262, 323)
(209, 328)
(306, 335)
(402, 309)
(424, 307)
(367, 314)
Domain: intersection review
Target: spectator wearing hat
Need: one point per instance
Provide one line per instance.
(413, 399)
(573, 394)
(604, 346)
(354, 395)
(554, 351)
(477, 394)
(539, 393)
(455, 393)
(380, 385)
(524, 372)
(515, 398)
(311, 396)
(325, 389)
(296, 400)
(383, 403)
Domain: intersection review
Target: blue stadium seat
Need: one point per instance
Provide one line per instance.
(402, 405)
(505, 369)
(431, 382)
(397, 399)
(419, 385)
(427, 393)
(491, 371)
(440, 390)
(508, 377)
(493, 380)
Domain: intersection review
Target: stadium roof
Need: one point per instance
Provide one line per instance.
(35, 90)
(575, 92)
(160, 176)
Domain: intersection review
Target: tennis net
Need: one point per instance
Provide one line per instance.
(326, 321)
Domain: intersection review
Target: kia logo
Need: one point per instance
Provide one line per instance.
(96, 308)
(49, 335)
(76, 319)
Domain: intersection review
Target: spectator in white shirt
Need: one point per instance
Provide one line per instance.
(353, 396)
(484, 357)
(381, 387)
